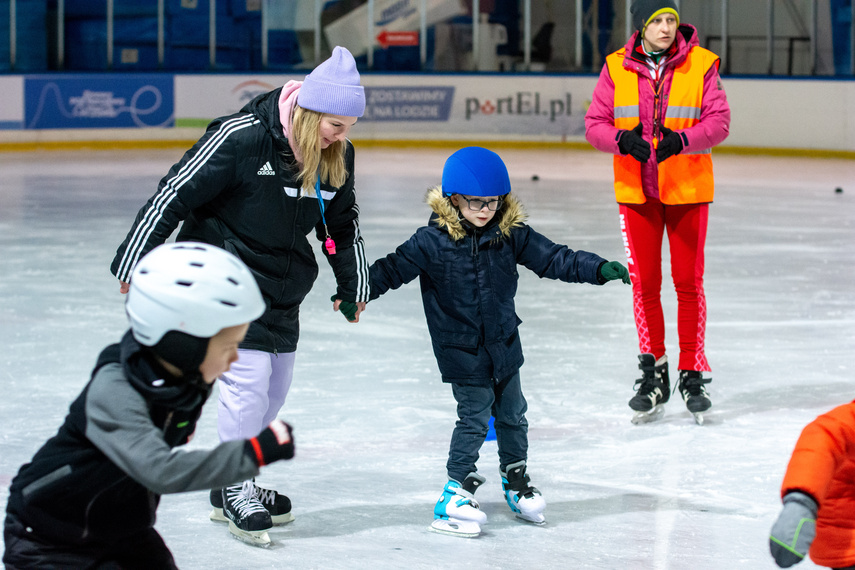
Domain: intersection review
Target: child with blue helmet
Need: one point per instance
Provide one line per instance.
(466, 260)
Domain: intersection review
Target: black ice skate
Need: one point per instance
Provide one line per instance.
(278, 505)
(249, 521)
(652, 390)
(695, 394)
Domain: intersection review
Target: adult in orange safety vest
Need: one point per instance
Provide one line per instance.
(659, 107)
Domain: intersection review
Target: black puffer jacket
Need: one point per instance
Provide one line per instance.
(237, 189)
(468, 280)
(101, 476)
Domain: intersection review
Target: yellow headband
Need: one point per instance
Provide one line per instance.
(659, 13)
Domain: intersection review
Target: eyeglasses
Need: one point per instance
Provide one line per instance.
(478, 205)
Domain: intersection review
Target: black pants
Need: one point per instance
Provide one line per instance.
(142, 551)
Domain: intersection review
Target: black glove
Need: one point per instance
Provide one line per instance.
(794, 530)
(347, 308)
(631, 143)
(670, 143)
(275, 442)
(611, 270)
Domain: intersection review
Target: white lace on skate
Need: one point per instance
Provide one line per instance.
(244, 502)
(268, 497)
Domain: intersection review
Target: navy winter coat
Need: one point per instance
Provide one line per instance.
(468, 282)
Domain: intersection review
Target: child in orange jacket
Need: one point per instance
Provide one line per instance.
(819, 495)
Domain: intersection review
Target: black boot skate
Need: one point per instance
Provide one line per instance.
(249, 521)
(277, 504)
(695, 394)
(652, 390)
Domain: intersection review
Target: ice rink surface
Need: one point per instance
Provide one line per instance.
(372, 419)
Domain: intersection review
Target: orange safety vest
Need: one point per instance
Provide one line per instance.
(683, 178)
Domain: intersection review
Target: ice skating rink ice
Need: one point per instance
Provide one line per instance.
(373, 420)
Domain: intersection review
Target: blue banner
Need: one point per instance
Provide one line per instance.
(99, 101)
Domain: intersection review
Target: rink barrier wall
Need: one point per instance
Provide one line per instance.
(161, 110)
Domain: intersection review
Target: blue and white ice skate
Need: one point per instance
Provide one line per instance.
(523, 499)
(457, 512)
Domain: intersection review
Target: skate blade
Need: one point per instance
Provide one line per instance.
(282, 519)
(699, 418)
(463, 529)
(258, 538)
(217, 515)
(646, 417)
(537, 519)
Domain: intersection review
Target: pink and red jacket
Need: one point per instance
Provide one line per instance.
(712, 128)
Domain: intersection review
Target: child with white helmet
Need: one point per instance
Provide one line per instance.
(466, 260)
(89, 495)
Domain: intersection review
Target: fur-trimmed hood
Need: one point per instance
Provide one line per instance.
(511, 215)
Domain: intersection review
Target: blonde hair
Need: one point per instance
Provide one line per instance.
(329, 162)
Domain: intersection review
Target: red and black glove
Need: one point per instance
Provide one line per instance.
(275, 442)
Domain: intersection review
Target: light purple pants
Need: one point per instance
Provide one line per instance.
(253, 392)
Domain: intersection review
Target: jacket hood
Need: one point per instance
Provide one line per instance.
(511, 215)
(266, 108)
(154, 382)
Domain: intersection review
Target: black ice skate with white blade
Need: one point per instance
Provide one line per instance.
(249, 521)
(695, 394)
(278, 505)
(652, 390)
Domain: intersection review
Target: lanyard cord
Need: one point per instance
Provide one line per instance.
(659, 80)
(321, 202)
(657, 92)
(329, 244)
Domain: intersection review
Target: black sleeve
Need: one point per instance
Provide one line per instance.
(201, 174)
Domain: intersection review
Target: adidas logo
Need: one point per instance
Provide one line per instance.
(266, 170)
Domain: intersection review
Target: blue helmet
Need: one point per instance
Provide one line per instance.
(475, 171)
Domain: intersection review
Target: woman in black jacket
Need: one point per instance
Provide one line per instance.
(256, 184)
(466, 260)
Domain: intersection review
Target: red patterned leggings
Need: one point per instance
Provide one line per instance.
(643, 226)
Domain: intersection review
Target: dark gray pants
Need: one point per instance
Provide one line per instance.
(475, 404)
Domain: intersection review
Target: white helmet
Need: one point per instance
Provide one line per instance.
(192, 288)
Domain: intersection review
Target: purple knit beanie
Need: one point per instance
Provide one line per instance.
(333, 87)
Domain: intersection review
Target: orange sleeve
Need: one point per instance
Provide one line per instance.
(824, 445)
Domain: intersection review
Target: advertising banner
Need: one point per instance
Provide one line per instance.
(420, 107)
(223, 95)
(98, 101)
(436, 106)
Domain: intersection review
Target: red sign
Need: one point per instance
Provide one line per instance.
(387, 38)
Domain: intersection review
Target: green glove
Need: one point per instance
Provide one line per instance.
(347, 308)
(794, 530)
(612, 270)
